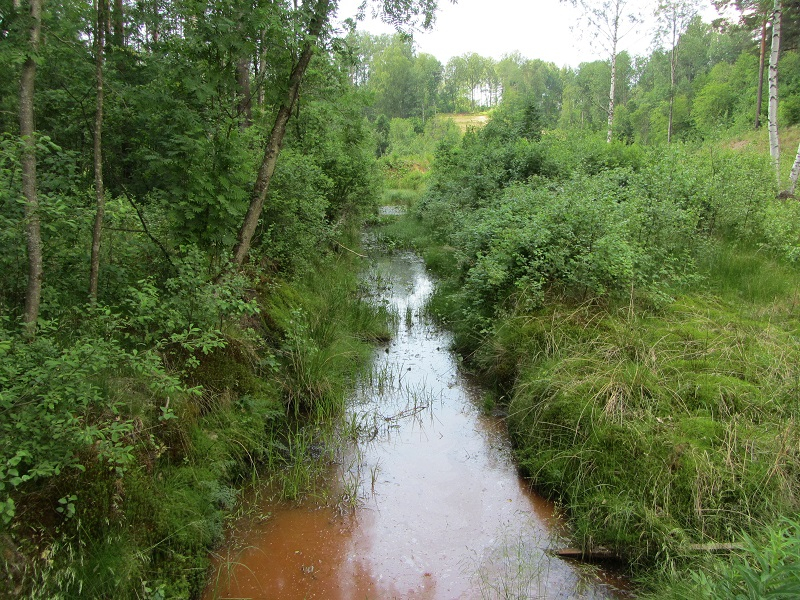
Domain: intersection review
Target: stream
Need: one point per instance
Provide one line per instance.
(428, 503)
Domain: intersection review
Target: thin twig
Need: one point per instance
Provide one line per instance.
(349, 250)
(146, 230)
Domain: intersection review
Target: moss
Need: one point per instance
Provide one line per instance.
(226, 369)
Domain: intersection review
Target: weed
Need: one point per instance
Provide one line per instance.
(512, 568)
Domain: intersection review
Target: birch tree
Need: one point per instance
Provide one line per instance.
(612, 21)
(774, 149)
(795, 172)
(673, 17)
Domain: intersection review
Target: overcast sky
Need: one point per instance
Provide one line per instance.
(536, 28)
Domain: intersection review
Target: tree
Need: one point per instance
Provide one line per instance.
(394, 79)
(365, 48)
(794, 173)
(585, 97)
(428, 73)
(774, 148)
(455, 84)
(321, 11)
(33, 292)
(754, 17)
(536, 80)
(762, 53)
(475, 74)
(317, 14)
(612, 20)
(101, 12)
(673, 18)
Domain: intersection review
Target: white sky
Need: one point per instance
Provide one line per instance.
(536, 28)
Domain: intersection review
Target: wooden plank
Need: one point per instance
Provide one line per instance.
(601, 553)
(715, 547)
(598, 553)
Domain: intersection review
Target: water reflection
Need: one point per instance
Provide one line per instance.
(441, 511)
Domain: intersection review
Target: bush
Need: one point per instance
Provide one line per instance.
(621, 301)
(58, 415)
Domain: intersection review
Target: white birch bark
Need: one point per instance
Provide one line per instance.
(774, 148)
(608, 18)
(610, 134)
(795, 172)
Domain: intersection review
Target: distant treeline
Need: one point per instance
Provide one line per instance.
(716, 82)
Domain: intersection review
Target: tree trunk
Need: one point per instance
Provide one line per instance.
(611, 93)
(118, 24)
(761, 60)
(795, 172)
(99, 191)
(260, 67)
(245, 237)
(673, 64)
(774, 148)
(244, 106)
(33, 293)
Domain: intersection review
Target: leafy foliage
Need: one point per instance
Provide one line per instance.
(766, 569)
(128, 422)
(635, 309)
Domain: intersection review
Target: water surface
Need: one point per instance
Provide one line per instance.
(428, 502)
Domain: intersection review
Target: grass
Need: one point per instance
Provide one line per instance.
(759, 140)
(766, 567)
(411, 233)
(656, 427)
(512, 568)
(751, 276)
(661, 431)
(400, 197)
(267, 417)
(658, 430)
(467, 121)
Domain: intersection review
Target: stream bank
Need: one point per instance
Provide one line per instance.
(427, 501)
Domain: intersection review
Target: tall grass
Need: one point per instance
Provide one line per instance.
(661, 426)
(750, 274)
(264, 415)
(766, 566)
(657, 431)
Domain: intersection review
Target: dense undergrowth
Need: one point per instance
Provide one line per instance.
(129, 457)
(133, 411)
(636, 313)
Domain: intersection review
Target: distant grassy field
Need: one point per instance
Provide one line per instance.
(465, 121)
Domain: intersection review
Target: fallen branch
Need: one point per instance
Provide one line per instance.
(349, 250)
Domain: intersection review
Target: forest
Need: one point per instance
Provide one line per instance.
(182, 191)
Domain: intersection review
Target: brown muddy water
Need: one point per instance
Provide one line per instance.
(427, 503)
